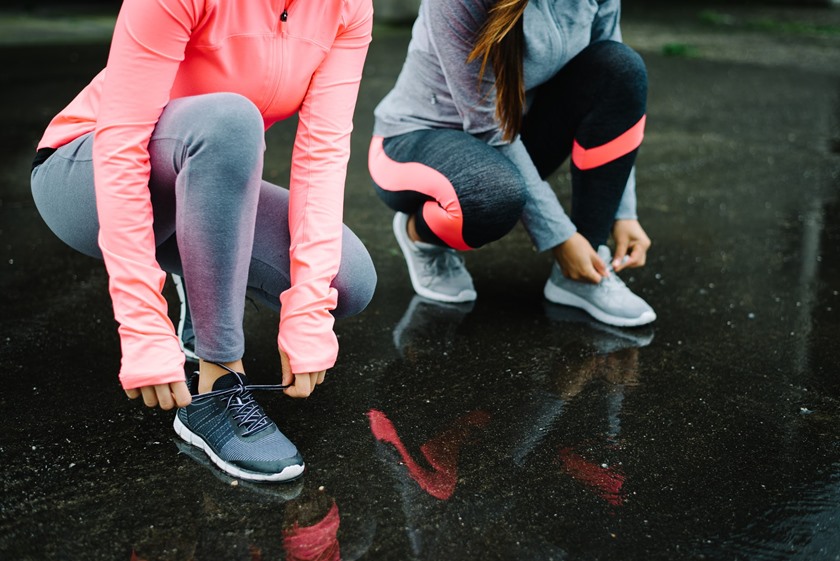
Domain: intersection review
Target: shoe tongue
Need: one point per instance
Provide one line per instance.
(230, 380)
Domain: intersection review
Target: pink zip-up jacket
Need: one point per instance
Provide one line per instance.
(303, 56)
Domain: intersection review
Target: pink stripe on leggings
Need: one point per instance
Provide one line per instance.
(588, 158)
(443, 213)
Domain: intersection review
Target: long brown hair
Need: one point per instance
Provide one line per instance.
(502, 41)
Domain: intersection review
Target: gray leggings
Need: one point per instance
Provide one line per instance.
(215, 221)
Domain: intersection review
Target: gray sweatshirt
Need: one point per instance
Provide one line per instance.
(438, 89)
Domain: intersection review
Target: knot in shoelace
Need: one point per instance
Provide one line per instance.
(444, 263)
(246, 411)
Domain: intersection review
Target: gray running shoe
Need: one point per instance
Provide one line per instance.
(232, 429)
(437, 273)
(186, 335)
(610, 301)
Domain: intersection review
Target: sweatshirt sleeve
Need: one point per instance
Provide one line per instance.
(543, 217)
(146, 50)
(319, 168)
(606, 26)
(452, 27)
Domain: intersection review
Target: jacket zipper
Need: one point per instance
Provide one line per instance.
(277, 57)
(284, 15)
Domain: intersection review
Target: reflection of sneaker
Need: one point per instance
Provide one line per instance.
(436, 272)
(608, 339)
(428, 324)
(609, 301)
(186, 335)
(232, 429)
(285, 492)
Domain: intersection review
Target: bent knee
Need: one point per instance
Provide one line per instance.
(620, 61)
(497, 212)
(356, 278)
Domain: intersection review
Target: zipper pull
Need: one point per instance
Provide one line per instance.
(285, 15)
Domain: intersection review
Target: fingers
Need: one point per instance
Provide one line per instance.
(600, 268)
(589, 275)
(583, 272)
(578, 260)
(592, 269)
(619, 262)
(149, 396)
(181, 393)
(305, 384)
(170, 395)
(287, 377)
(637, 256)
(166, 396)
(300, 385)
(629, 235)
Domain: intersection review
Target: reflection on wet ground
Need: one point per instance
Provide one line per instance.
(507, 429)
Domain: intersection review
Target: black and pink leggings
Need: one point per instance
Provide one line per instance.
(465, 193)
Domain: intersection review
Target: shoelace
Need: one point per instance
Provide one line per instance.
(246, 411)
(444, 263)
(612, 281)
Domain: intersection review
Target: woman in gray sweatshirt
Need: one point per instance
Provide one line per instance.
(492, 98)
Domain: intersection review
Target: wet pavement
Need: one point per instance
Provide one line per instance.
(511, 429)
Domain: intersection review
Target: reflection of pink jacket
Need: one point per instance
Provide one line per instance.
(308, 61)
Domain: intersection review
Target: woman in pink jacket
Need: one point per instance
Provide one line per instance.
(156, 166)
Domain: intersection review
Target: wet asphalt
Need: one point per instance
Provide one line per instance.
(511, 429)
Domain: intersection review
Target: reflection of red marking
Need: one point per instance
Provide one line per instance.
(318, 542)
(134, 556)
(608, 482)
(440, 451)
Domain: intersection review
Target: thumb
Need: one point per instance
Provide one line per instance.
(288, 378)
(620, 252)
(600, 267)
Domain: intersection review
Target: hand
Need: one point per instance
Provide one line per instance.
(579, 261)
(165, 395)
(300, 384)
(629, 235)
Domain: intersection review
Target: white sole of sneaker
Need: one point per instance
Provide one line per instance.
(288, 473)
(463, 296)
(182, 297)
(557, 295)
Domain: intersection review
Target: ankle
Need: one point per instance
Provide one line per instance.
(209, 372)
(411, 228)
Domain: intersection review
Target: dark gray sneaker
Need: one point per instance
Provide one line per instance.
(610, 301)
(235, 433)
(437, 273)
(186, 336)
